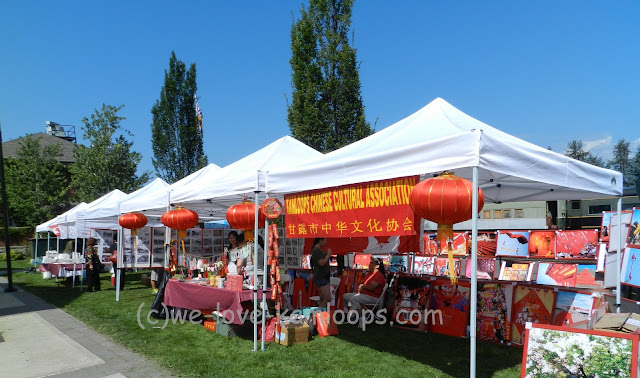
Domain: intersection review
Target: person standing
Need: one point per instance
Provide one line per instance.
(321, 270)
(117, 266)
(94, 266)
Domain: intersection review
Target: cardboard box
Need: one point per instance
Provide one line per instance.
(292, 333)
(623, 323)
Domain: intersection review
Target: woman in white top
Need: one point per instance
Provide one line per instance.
(232, 252)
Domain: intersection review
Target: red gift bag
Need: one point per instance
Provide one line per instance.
(325, 324)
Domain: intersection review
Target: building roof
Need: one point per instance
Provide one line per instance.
(10, 148)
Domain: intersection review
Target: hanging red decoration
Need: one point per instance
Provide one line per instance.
(180, 219)
(242, 216)
(445, 200)
(133, 221)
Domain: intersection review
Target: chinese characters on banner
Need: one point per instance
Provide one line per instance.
(379, 208)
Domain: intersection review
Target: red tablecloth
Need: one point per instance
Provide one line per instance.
(54, 268)
(198, 297)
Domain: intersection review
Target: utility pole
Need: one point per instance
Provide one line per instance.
(5, 218)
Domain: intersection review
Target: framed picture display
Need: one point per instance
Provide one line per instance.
(513, 243)
(411, 299)
(495, 301)
(576, 244)
(542, 244)
(557, 274)
(633, 237)
(487, 244)
(530, 305)
(550, 351)
(486, 268)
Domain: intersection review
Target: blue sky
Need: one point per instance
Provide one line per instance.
(545, 71)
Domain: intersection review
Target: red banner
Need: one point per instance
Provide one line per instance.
(379, 208)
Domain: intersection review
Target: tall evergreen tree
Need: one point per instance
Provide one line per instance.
(575, 149)
(37, 184)
(108, 163)
(175, 132)
(326, 110)
(622, 163)
(635, 164)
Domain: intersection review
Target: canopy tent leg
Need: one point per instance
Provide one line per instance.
(48, 241)
(264, 274)
(255, 275)
(36, 248)
(118, 262)
(85, 269)
(618, 254)
(474, 274)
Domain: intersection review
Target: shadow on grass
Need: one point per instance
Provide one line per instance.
(446, 353)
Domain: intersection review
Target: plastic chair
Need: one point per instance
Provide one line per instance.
(334, 282)
(288, 289)
(378, 303)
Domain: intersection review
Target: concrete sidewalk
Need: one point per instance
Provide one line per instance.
(38, 339)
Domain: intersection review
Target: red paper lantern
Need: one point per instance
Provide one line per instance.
(180, 219)
(133, 221)
(242, 216)
(445, 200)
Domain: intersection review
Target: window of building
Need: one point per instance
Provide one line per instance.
(518, 213)
(575, 205)
(598, 209)
(486, 214)
(506, 213)
(497, 214)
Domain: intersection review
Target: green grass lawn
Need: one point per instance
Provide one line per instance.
(190, 350)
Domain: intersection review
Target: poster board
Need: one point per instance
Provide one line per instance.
(424, 265)
(551, 351)
(557, 274)
(542, 244)
(633, 237)
(613, 229)
(494, 312)
(442, 266)
(572, 307)
(578, 244)
(485, 269)
(453, 303)
(530, 305)
(140, 257)
(630, 274)
(515, 271)
(487, 244)
(104, 238)
(411, 299)
(513, 243)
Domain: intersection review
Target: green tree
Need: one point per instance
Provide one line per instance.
(622, 163)
(37, 184)
(326, 110)
(175, 131)
(108, 163)
(575, 149)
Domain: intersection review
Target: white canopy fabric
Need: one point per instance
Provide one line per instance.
(217, 191)
(45, 227)
(159, 199)
(440, 137)
(62, 222)
(105, 214)
(72, 226)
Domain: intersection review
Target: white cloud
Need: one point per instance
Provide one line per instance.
(604, 142)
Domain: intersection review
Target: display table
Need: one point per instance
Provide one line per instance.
(62, 269)
(198, 297)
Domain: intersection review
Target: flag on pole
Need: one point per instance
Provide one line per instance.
(198, 112)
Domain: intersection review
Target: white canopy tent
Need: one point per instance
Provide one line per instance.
(212, 194)
(440, 137)
(52, 224)
(157, 201)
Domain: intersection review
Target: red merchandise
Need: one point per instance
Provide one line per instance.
(325, 324)
(452, 300)
(234, 282)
